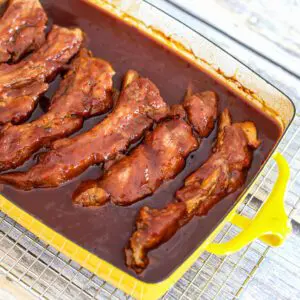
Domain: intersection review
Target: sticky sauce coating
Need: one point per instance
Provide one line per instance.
(106, 231)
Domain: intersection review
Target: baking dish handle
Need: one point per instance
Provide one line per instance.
(271, 224)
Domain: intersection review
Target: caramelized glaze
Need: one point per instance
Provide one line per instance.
(105, 231)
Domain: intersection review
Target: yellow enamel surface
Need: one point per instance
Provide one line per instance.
(271, 225)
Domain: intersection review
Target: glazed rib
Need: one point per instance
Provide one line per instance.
(84, 92)
(22, 29)
(220, 175)
(159, 158)
(139, 105)
(202, 114)
(22, 84)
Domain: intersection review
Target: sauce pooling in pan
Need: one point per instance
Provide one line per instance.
(106, 231)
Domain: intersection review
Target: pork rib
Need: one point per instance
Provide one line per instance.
(22, 84)
(139, 105)
(22, 29)
(219, 176)
(201, 114)
(159, 158)
(84, 92)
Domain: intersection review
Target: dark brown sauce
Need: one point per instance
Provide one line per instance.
(105, 231)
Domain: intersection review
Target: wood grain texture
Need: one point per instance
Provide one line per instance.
(273, 31)
(277, 276)
(270, 28)
(9, 290)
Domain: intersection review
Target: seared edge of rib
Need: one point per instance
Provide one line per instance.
(138, 107)
(159, 158)
(84, 92)
(22, 84)
(22, 29)
(221, 174)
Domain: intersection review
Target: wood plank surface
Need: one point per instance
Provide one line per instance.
(271, 33)
(265, 35)
(272, 28)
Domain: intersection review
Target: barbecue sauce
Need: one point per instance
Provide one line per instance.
(105, 231)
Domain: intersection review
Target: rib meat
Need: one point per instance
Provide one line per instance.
(22, 29)
(84, 91)
(202, 114)
(219, 176)
(22, 84)
(139, 105)
(159, 158)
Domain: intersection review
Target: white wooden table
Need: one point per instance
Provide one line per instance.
(265, 35)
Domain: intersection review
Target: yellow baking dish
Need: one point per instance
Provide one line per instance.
(270, 224)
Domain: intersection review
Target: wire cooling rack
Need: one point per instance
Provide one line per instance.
(49, 274)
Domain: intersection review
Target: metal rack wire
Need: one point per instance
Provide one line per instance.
(49, 274)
